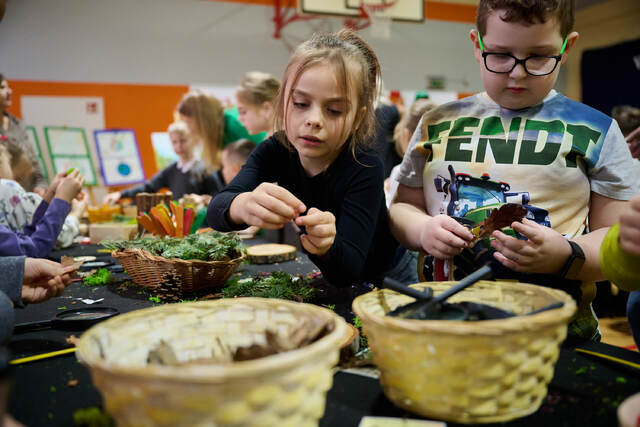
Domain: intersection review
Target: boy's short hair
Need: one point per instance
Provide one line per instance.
(239, 151)
(179, 127)
(528, 12)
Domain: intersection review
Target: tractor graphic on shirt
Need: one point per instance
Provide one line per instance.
(469, 200)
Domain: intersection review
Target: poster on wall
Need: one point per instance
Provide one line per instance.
(86, 113)
(68, 148)
(35, 143)
(162, 149)
(119, 156)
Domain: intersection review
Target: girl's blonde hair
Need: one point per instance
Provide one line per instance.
(257, 87)
(208, 114)
(340, 50)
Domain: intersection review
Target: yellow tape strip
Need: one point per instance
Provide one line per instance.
(605, 356)
(42, 356)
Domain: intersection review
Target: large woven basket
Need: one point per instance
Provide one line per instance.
(468, 372)
(150, 270)
(285, 389)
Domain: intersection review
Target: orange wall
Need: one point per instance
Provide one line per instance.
(144, 108)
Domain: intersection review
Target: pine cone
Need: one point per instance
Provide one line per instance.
(170, 289)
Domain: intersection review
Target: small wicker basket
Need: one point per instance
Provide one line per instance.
(150, 270)
(468, 372)
(284, 389)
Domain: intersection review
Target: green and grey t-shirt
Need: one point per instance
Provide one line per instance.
(472, 153)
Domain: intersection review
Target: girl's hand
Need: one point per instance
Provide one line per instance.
(112, 198)
(320, 229)
(630, 227)
(70, 186)
(55, 182)
(545, 251)
(268, 206)
(444, 237)
(79, 205)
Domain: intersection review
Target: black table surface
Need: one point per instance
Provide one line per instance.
(585, 390)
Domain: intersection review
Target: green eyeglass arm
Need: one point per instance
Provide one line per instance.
(480, 42)
(564, 45)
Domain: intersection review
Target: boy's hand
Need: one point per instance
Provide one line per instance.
(320, 227)
(268, 206)
(545, 251)
(444, 237)
(70, 186)
(43, 279)
(630, 227)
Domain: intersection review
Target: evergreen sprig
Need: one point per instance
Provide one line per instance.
(209, 246)
(278, 284)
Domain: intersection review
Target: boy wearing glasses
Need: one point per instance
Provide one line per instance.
(518, 142)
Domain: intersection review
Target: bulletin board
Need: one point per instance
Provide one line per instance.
(119, 156)
(33, 139)
(68, 148)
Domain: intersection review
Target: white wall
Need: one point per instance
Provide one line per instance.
(201, 42)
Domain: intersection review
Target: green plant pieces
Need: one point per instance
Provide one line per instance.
(99, 278)
(209, 246)
(155, 299)
(91, 417)
(278, 284)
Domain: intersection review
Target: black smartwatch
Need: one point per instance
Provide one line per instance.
(574, 263)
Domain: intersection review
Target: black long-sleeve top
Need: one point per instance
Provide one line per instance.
(350, 189)
(195, 181)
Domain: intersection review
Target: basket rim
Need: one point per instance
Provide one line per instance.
(217, 373)
(516, 324)
(141, 253)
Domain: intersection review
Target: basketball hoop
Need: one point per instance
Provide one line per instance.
(378, 16)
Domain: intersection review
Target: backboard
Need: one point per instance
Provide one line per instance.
(402, 10)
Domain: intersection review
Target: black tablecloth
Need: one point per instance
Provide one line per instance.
(585, 390)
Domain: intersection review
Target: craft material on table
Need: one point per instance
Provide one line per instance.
(270, 253)
(76, 319)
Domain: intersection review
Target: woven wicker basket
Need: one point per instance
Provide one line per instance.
(150, 270)
(468, 372)
(285, 389)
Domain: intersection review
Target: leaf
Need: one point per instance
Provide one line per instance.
(502, 217)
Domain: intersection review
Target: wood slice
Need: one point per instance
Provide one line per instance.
(270, 253)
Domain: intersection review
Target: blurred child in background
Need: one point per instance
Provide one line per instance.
(234, 156)
(37, 230)
(187, 175)
(255, 98)
(17, 206)
(401, 136)
(211, 125)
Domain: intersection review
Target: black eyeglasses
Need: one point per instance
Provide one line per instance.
(535, 65)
